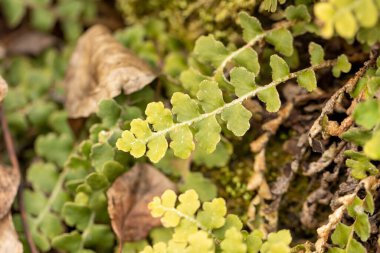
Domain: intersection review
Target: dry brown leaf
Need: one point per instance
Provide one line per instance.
(3, 88)
(9, 182)
(25, 41)
(128, 200)
(101, 68)
(9, 241)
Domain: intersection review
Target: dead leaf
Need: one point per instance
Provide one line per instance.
(9, 182)
(128, 200)
(8, 236)
(3, 88)
(101, 68)
(25, 41)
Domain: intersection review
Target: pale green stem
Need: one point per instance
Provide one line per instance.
(186, 217)
(351, 236)
(192, 220)
(53, 196)
(250, 43)
(86, 230)
(237, 101)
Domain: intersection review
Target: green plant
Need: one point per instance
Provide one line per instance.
(199, 114)
(366, 135)
(211, 106)
(46, 13)
(344, 235)
(349, 18)
(204, 227)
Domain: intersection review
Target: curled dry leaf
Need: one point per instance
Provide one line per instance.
(101, 68)
(9, 182)
(25, 41)
(8, 236)
(128, 200)
(3, 88)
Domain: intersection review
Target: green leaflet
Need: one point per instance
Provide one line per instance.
(232, 221)
(100, 154)
(297, 13)
(346, 25)
(96, 181)
(159, 116)
(341, 234)
(76, 215)
(282, 40)
(271, 5)
(233, 242)
(207, 134)
(202, 185)
(346, 17)
(68, 242)
(271, 98)
(109, 112)
(367, 113)
(307, 80)
(43, 176)
(342, 65)
(184, 230)
(140, 128)
(237, 119)
(191, 79)
(212, 215)
(371, 148)
(195, 228)
(251, 26)
(280, 68)
(355, 247)
(369, 204)
(157, 148)
(242, 80)
(128, 143)
(210, 96)
(55, 148)
(277, 242)
(316, 54)
(218, 158)
(362, 227)
(360, 167)
(189, 203)
(248, 59)
(254, 241)
(43, 19)
(184, 107)
(207, 49)
(366, 13)
(182, 141)
(13, 10)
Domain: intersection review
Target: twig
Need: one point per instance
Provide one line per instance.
(324, 232)
(329, 106)
(15, 164)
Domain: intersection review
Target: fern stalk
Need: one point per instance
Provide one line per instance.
(239, 100)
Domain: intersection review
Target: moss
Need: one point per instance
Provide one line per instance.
(188, 19)
(232, 185)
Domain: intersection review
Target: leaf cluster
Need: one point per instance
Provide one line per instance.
(344, 235)
(206, 227)
(366, 135)
(199, 114)
(44, 14)
(349, 19)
